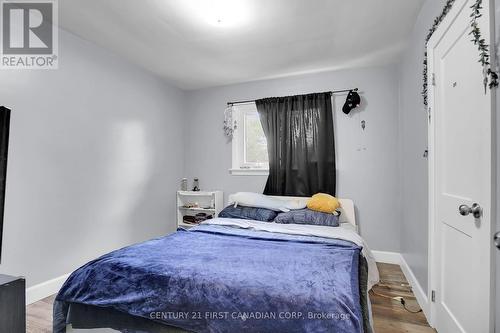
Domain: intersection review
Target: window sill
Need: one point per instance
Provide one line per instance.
(249, 172)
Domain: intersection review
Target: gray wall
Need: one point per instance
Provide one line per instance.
(413, 124)
(94, 160)
(369, 177)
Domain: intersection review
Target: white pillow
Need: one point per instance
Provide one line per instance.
(294, 204)
(258, 200)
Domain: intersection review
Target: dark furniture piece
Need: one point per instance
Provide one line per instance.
(12, 304)
(4, 146)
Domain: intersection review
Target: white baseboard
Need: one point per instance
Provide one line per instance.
(418, 291)
(44, 289)
(387, 257)
(397, 259)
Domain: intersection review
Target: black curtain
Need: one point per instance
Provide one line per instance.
(300, 143)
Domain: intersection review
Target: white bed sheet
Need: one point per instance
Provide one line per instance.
(345, 232)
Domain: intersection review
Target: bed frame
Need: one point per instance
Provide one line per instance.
(346, 208)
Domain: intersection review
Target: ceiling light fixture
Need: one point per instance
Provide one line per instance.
(221, 13)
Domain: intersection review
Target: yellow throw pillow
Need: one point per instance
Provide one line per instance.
(322, 202)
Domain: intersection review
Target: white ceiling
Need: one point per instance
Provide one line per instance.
(181, 40)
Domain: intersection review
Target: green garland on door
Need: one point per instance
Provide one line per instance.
(484, 52)
(490, 76)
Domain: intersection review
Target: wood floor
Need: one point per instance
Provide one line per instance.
(39, 316)
(389, 316)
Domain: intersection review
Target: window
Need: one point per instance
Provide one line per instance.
(249, 142)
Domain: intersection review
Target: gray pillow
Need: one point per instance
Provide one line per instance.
(248, 213)
(307, 216)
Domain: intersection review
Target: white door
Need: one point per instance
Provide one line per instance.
(461, 176)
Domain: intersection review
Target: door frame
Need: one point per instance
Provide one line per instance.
(433, 283)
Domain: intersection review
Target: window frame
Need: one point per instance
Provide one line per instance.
(239, 166)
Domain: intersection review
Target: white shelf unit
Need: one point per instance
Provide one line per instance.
(209, 202)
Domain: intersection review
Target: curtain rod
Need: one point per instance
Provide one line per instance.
(331, 92)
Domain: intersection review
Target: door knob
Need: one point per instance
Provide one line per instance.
(497, 240)
(475, 210)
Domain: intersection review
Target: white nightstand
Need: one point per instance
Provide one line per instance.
(208, 202)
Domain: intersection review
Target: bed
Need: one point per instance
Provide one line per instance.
(227, 275)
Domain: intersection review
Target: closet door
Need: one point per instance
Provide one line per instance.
(462, 162)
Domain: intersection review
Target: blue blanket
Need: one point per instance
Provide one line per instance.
(222, 279)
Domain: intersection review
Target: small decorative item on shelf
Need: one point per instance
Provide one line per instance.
(196, 185)
(197, 219)
(188, 219)
(184, 184)
(200, 217)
